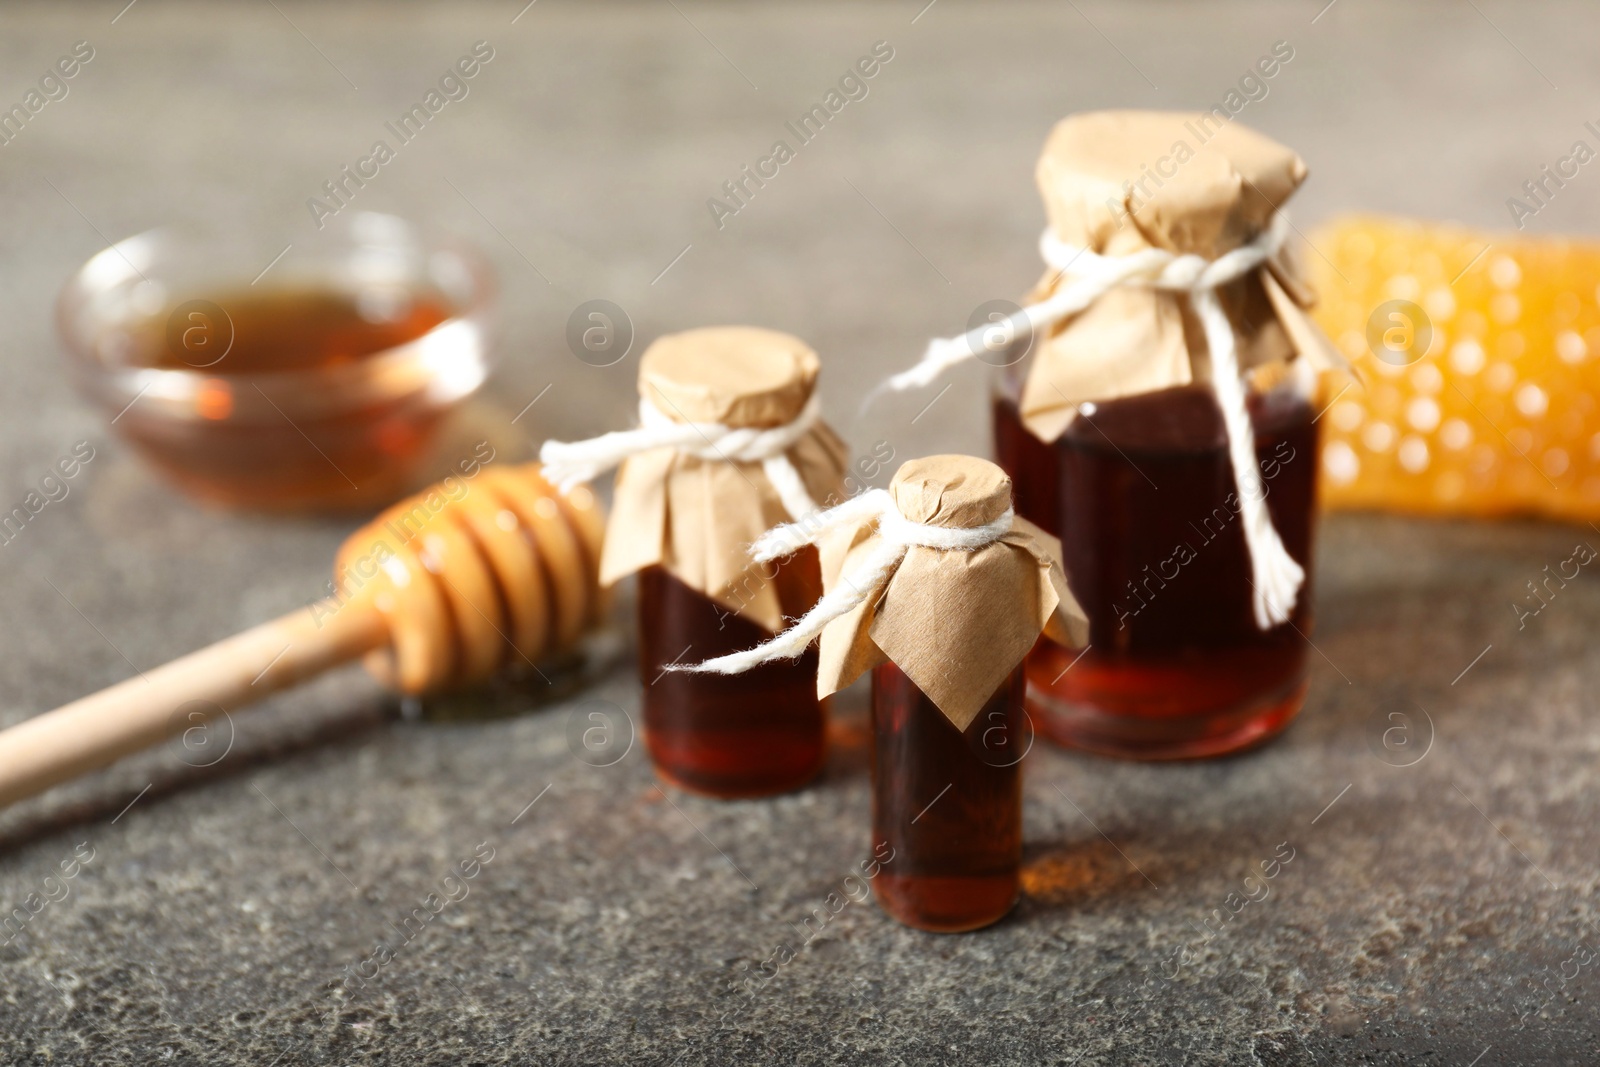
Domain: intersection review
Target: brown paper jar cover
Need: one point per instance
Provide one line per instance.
(956, 622)
(1106, 187)
(694, 517)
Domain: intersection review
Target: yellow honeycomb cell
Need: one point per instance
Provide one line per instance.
(1479, 358)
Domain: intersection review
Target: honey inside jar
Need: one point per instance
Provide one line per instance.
(294, 397)
(741, 735)
(1176, 666)
(949, 802)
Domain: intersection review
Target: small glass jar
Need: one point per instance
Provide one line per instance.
(949, 803)
(727, 736)
(1141, 493)
(316, 380)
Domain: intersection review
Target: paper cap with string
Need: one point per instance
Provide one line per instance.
(731, 443)
(1117, 183)
(937, 574)
(742, 376)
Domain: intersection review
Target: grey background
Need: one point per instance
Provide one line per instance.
(1424, 907)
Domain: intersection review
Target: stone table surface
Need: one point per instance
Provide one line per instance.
(1438, 913)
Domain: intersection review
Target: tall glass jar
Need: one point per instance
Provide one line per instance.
(1142, 495)
(940, 589)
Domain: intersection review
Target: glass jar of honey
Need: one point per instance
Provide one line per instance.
(939, 588)
(731, 443)
(1155, 411)
(1163, 427)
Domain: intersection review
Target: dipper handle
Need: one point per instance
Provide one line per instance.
(442, 589)
(132, 715)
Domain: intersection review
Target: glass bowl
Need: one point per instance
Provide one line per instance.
(317, 380)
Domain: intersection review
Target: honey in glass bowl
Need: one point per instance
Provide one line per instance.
(320, 386)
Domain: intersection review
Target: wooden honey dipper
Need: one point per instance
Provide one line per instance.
(442, 589)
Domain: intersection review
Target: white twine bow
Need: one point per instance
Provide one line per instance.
(896, 534)
(1087, 276)
(568, 464)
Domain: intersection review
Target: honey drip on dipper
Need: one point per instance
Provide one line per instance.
(441, 590)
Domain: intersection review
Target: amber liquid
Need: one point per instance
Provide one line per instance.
(262, 441)
(728, 735)
(1141, 493)
(949, 803)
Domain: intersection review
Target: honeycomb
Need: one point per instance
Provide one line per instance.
(1478, 358)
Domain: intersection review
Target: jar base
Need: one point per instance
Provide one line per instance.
(946, 905)
(1176, 737)
(735, 791)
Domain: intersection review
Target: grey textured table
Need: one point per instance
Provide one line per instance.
(1436, 913)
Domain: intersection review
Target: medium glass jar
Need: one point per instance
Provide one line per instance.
(731, 444)
(1142, 495)
(729, 735)
(949, 802)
